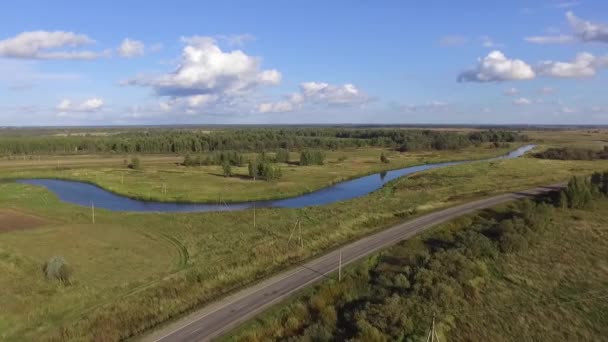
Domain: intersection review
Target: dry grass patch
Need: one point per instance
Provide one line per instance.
(16, 220)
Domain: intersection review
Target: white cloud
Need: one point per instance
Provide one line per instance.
(584, 65)
(317, 93)
(89, 105)
(488, 42)
(583, 30)
(131, 48)
(522, 101)
(497, 67)
(453, 40)
(211, 74)
(547, 90)
(568, 110)
(558, 39)
(566, 4)
(47, 45)
(588, 31)
(236, 39)
(511, 91)
(276, 107)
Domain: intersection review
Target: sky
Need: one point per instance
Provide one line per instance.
(286, 62)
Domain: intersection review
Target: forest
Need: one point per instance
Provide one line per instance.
(183, 141)
(387, 298)
(569, 153)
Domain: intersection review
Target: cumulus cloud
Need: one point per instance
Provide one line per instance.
(497, 67)
(522, 101)
(89, 105)
(583, 65)
(208, 75)
(586, 30)
(47, 45)
(583, 30)
(511, 91)
(317, 93)
(131, 48)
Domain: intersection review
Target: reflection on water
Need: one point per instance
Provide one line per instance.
(86, 194)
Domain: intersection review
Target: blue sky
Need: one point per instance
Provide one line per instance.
(143, 62)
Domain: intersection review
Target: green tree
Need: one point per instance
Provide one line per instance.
(282, 156)
(227, 169)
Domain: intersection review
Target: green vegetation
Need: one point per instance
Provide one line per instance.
(312, 157)
(216, 158)
(459, 271)
(569, 153)
(262, 169)
(252, 139)
(57, 268)
(135, 164)
(384, 159)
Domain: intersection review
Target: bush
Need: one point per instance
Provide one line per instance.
(513, 243)
(135, 164)
(57, 268)
(384, 159)
(312, 157)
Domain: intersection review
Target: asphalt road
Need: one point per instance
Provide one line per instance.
(218, 318)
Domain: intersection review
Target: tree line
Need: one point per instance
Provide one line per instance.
(250, 140)
(571, 153)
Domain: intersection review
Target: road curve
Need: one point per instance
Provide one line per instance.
(219, 317)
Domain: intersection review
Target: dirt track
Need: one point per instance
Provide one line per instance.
(16, 220)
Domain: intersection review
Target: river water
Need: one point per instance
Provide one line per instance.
(85, 194)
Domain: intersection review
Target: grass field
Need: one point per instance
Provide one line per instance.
(133, 271)
(557, 291)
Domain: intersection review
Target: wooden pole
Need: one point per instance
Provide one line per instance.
(301, 240)
(253, 215)
(93, 211)
(340, 267)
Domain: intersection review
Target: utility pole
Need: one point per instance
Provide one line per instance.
(340, 267)
(93, 211)
(301, 240)
(432, 337)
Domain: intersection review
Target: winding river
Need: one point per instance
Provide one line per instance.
(86, 194)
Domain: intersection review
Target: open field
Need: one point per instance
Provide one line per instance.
(133, 271)
(212, 253)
